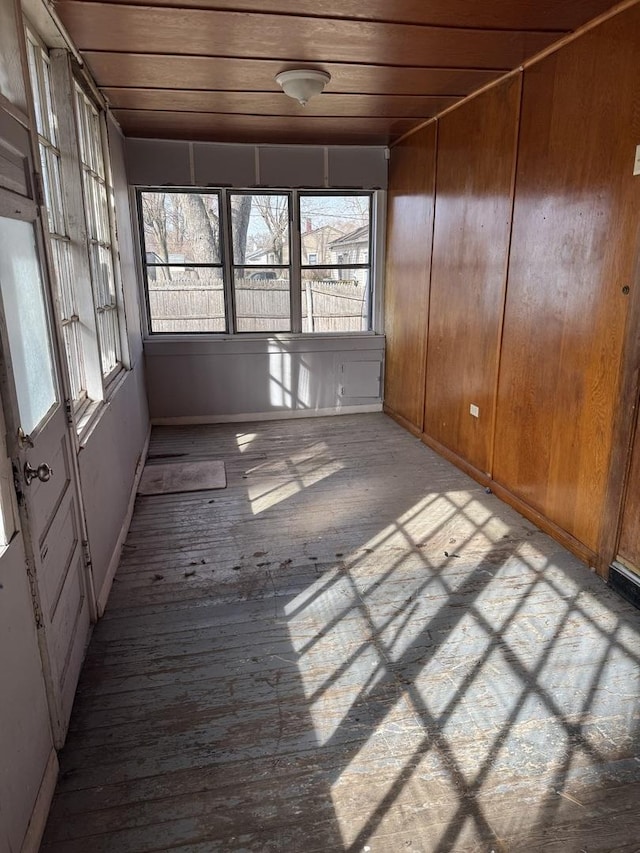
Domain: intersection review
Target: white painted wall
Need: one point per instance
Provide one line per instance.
(210, 379)
(154, 162)
(110, 453)
(108, 462)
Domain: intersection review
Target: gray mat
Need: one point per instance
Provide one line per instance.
(182, 477)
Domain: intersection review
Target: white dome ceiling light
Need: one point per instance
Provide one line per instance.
(302, 83)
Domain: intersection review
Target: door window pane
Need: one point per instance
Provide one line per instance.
(26, 320)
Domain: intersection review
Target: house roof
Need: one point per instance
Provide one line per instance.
(319, 230)
(359, 235)
(205, 69)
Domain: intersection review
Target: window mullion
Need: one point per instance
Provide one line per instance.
(295, 274)
(227, 263)
(377, 259)
(64, 98)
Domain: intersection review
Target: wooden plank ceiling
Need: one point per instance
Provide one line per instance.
(204, 69)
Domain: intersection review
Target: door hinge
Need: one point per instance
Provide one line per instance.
(68, 410)
(17, 484)
(35, 601)
(86, 553)
(24, 440)
(38, 189)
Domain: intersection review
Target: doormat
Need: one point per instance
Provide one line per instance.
(182, 477)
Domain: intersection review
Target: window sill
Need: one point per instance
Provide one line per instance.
(223, 337)
(229, 345)
(92, 415)
(89, 415)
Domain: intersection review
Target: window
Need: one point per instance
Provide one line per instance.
(97, 203)
(336, 285)
(183, 251)
(61, 250)
(261, 266)
(78, 199)
(237, 261)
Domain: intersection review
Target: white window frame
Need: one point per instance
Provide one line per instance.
(178, 264)
(97, 190)
(374, 263)
(84, 309)
(269, 265)
(56, 220)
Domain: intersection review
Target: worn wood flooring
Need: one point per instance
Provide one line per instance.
(351, 648)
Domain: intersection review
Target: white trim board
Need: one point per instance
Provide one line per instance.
(193, 420)
(40, 813)
(124, 530)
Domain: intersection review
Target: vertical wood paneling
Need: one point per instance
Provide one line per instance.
(575, 234)
(474, 194)
(410, 231)
(629, 548)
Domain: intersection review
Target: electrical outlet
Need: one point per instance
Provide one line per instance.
(474, 410)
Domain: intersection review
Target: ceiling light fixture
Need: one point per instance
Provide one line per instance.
(302, 84)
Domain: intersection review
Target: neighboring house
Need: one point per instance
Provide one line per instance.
(315, 244)
(258, 258)
(351, 248)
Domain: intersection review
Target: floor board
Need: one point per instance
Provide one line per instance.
(353, 647)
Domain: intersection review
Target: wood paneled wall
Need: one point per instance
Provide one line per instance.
(474, 192)
(576, 217)
(410, 232)
(571, 249)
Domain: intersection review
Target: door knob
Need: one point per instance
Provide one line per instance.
(43, 473)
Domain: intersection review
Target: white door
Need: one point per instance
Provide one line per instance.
(41, 449)
(26, 742)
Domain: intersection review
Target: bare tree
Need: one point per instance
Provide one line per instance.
(274, 210)
(154, 215)
(200, 229)
(240, 215)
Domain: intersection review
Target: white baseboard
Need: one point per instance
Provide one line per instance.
(117, 553)
(40, 813)
(193, 420)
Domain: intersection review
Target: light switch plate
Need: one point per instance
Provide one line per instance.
(474, 410)
(636, 165)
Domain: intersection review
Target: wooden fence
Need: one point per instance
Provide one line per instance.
(328, 305)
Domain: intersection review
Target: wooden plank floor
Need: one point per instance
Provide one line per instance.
(351, 648)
